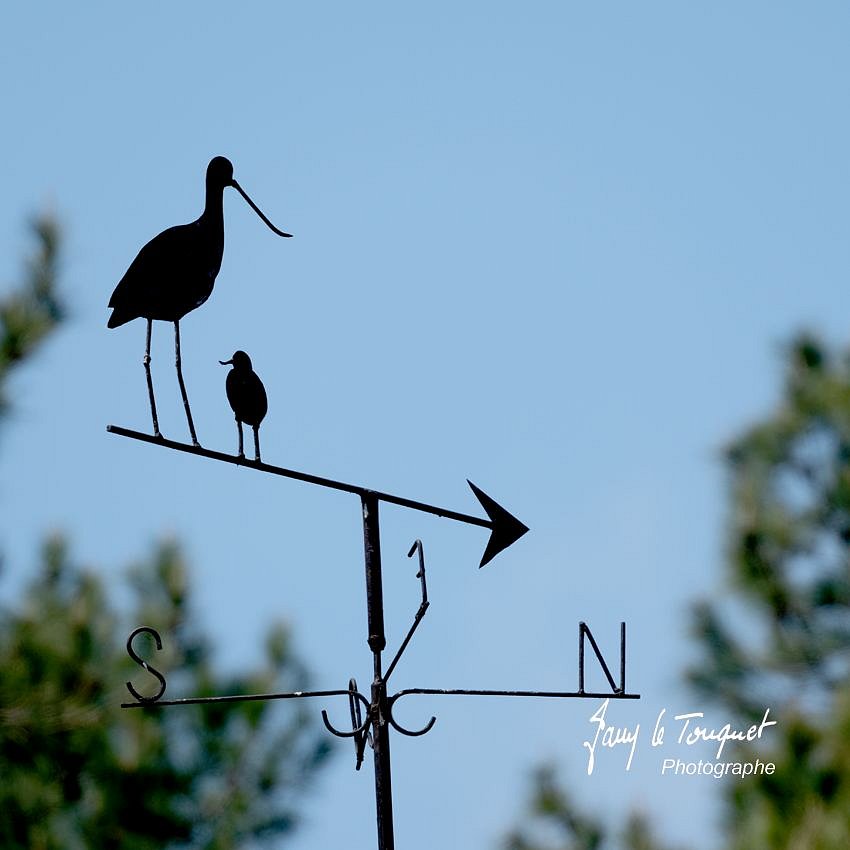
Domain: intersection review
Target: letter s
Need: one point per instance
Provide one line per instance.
(145, 664)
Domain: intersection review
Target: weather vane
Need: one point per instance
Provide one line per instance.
(173, 274)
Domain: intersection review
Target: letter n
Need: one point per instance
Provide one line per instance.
(584, 630)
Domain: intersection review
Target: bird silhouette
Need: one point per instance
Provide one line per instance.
(175, 273)
(247, 397)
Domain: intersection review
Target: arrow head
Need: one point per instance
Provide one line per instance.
(506, 528)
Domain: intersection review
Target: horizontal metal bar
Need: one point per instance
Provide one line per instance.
(488, 693)
(235, 698)
(300, 476)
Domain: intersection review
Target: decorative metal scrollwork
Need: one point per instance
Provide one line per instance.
(399, 728)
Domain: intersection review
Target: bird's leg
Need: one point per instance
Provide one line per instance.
(182, 385)
(257, 443)
(241, 448)
(147, 363)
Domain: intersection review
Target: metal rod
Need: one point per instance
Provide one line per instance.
(488, 693)
(405, 692)
(581, 658)
(301, 476)
(179, 365)
(374, 583)
(623, 656)
(147, 364)
(234, 698)
(383, 770)
(423, 607)
(416, 621)
(377, 641)
(257, 443)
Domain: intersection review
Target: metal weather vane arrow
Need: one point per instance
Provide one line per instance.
(505, 528)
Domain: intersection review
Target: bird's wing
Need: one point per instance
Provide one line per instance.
(231, 385)
(247, 396)
(149, 258)
(161, 261)
(262, 400)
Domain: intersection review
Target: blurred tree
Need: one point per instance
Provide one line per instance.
(30, 312)
(80, 772)
(781, 639)
(77, 771)
(555, 822)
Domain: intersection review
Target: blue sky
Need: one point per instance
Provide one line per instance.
(556, 250)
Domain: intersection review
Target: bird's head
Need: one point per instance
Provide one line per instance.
(220, 176)
(220, 172)
(240, 360)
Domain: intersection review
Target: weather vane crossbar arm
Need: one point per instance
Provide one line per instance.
(156, 703)
(489, 693)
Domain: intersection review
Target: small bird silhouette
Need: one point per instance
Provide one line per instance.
(247, 397)
(175, 273)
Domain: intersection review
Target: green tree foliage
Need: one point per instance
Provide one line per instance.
(780, 638)
(31, 311)
(555, 822)
(785, 640)
(79, 772)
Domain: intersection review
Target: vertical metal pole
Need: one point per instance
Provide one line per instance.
(377, 642)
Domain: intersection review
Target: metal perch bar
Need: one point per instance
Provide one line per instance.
(299, 476)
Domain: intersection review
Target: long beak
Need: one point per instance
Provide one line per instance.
(256, 209)
(226, 362)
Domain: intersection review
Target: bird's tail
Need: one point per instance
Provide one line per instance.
(118, 318)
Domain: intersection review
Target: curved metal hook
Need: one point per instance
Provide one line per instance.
(354, 700)
(417, 547)
(152, 670)
(360, 740)
(410, 733)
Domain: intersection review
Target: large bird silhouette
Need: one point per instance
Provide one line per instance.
(175, 273)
